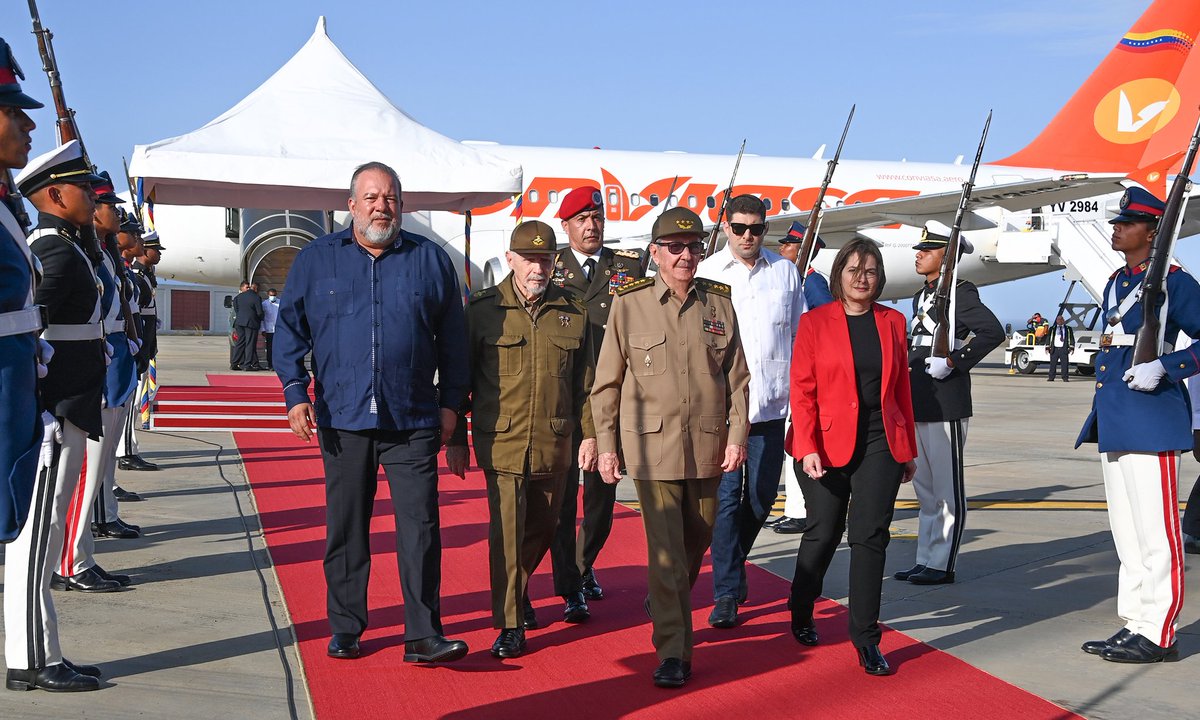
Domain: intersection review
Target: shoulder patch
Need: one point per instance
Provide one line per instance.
(486, 292)
(1174, 267)
(635, 285)
(714, 287)
(634, 254)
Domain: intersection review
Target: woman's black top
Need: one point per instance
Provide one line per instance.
(868, 360)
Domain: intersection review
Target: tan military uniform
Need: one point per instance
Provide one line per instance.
(531, 367)
(670, 394)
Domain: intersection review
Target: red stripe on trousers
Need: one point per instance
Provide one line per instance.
(1166, 463)
(67, 559)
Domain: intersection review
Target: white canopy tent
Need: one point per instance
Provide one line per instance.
(294, 142)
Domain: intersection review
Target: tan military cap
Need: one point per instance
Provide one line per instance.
(533, 236)
(678, 221)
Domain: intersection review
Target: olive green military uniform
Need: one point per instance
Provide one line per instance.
(531, 367)
(571, 555)
(670, 394)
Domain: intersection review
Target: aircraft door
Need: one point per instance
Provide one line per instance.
(615, 202)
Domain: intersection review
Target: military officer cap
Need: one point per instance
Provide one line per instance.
(105, 192)
(533, 236)
(129, 222)
(796, 234)
(677, 221)
(151, 242)
(1139, 205)
(63, 164)
(10, 85)
(935, 236)
(581, 199)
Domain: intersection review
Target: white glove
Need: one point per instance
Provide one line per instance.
(1145, 376)
(134, 346)
(108, 353)
(938, 368)
(45, 352)
(51, 434)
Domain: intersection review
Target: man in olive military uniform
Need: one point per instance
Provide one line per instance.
(670, 399)
(531, 370)
(591, 273)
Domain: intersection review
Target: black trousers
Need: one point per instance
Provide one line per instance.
(245, 351)
(571, 554)
(1191, 516)
(1060, 356)
(865, 490)
(409, 459)
(267, 338)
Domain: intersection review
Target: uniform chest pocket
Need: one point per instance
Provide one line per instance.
(503, 353)
(715, 347)
(335, 297)
(648, 353)
(558, 355)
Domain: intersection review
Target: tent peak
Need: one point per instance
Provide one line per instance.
(321, 26)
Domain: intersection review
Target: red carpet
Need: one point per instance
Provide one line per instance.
(600, 669)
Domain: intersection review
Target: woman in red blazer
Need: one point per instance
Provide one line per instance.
(853, 435)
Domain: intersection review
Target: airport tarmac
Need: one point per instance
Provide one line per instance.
(203, 632)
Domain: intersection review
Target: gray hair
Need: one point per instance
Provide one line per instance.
(373, 165)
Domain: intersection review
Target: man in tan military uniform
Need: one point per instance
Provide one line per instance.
(670, 398)
(531, 368)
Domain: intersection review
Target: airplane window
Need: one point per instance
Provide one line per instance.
(785, 205)
(712, 201)
(553, 196)
(691, 201)
(533, 196)
(672, 201)
(612, 197)
(635, 199)
(653, 199)
(767, 203)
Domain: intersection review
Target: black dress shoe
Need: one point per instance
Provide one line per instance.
(510, 643)
(805, 631)
(591, 588)
(789, 526)
(122, 580)
(1191, 544)
(724, 613)
(89, 670)
(88, 581)
(123, 495)
(528, 617)
(906, 574)
(672, 673)
(929, 576)
(53, 678)
(344, 646)
(576, 610)
(116, 529)
(435, 648)
(135, 462)
(1095, 647)
(873, 661)
(1139, 649)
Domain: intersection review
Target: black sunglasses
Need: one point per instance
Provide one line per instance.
(675, 248)
(756, 229)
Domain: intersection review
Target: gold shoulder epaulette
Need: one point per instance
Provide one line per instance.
(635, 285)
(714, 287)
(634, 254)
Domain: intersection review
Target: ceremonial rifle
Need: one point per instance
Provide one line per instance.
(805, 257)
(1148, 342)
(712, 237)
(945, 285)
(666, 206)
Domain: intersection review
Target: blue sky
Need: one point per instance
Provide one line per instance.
(623, 75)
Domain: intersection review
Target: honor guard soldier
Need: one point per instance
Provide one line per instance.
(591, 273)
(59, 184)
(941, 395)
(670, 404)
(531, 371)
(1141, 421)
(143, 271)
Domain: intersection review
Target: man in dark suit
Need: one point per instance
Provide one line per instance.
(1062, 344)
(591, 274)
(248, 315)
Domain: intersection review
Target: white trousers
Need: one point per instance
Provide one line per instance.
(940, 492)
(30, 623)
(127, 441)
(105, 509)
(99, 468)
(1143, 510)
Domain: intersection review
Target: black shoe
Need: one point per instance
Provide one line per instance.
(344, 646)
(789, 526)
(235, 368)
(1095, 647)
(576, 610)
(255, 368)
(873, 661)
(906, 574)
(724, 613)
(805, 631)
(134, 462)
(1138, 649)
(591, 588)
(929, 576)
(1191, 544)
(123, 495)
(672, 673)
(528, 617)
(87, 581)
(434, 648)
(89, 670)
(53, 678)
(122, 580)
(772, 520)
(116, 529)
(510, 643)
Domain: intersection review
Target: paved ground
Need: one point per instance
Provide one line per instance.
(195, 636)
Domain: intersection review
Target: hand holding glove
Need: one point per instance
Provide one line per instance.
(45, 352)
(108, 353)
(1145, 376)
(938, 368)
(51, 434)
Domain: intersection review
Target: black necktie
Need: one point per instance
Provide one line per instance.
(588, 266)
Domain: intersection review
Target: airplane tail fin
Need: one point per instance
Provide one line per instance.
(1138, 106)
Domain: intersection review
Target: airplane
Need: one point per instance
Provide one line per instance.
(1036, 211)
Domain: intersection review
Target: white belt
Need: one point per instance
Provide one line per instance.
(148, 311)
(19, 322)
(86, 331)
(927, 341)
(1127, 340)
(114, 326)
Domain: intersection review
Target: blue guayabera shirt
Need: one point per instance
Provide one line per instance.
(378, 328)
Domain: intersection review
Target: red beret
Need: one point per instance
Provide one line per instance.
(581, 199)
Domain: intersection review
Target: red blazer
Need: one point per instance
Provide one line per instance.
(824, 391)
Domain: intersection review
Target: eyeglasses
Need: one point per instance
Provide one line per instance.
(675, 248)
(757, 229)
